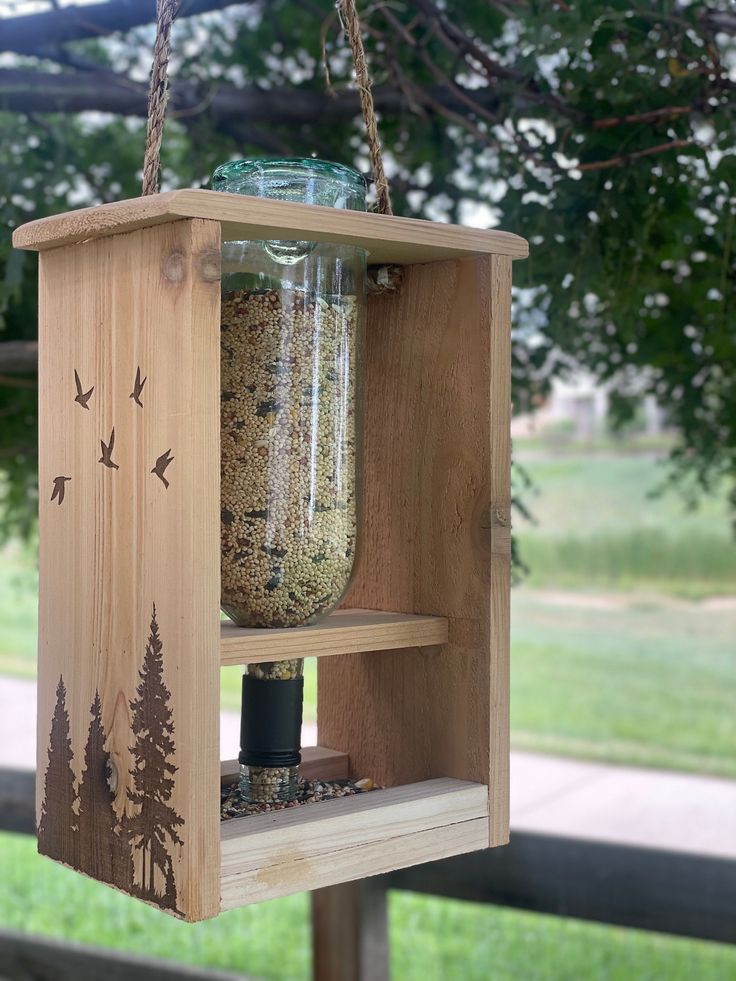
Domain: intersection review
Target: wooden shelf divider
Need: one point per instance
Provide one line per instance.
(269, 855)
(343, 632)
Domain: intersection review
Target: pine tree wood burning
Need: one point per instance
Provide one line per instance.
(152, 830)
(57, 827)
(102, 843)
(131, 851)
(413, 672)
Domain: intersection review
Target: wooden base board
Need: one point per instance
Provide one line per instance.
(317, 763)
(343, 632)
(271, 855)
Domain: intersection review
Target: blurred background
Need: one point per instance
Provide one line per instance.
(605, 133)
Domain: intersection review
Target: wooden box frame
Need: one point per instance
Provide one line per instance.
(130, 641)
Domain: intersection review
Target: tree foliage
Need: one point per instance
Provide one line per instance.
(601, 131)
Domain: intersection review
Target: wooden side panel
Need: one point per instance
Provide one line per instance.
(500, 536)
(129, 564)
(436, 423)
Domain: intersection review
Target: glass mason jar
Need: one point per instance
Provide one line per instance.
(291, 347)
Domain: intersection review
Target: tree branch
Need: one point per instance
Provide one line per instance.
(18, 357)
(721, 20)
(38, 34)
(637, 155)
(11, 382)
(465, 47)
(653, 116)
(25, 90)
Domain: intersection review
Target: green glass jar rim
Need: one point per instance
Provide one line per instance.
(320, 168)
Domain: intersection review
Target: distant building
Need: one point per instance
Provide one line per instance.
(578, 408)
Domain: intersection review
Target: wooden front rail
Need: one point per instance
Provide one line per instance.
(643, 888)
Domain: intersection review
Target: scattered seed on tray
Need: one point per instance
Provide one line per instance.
(232, 804)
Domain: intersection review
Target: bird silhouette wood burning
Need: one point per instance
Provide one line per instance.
(82, 397)
(161, 464)
(138, 387)
(106, 458)
(59, 489)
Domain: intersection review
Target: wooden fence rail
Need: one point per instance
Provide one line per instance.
(670, 892)
(18, 801)
(26, 957)
(644, 888)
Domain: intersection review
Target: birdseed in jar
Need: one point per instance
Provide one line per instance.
(288, 513)
(277, 670)
(268, 784)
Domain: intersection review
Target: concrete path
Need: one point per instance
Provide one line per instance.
(628, 805)
(549, 795)
(18, 726)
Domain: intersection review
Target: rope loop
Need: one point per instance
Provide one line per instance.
(351, 26)
(166, 11)
(158, 94)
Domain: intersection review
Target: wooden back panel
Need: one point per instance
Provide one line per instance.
(129, 563)
(435, 535)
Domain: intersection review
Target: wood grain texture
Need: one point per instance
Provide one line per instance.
(343, 632)
(270, 855)
(317, 763)
(350, 932)
(432, 420)
(500, 545)
(388, 239)
(121, 541)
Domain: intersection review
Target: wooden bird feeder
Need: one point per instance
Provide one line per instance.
(414, 669)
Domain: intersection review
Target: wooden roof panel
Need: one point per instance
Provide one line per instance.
(388, 239)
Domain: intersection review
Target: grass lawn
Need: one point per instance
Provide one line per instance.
(431, 939)
(18, 611)
(630, 679)
(19, 622)
(638, 677)
(628, 664)
(599, 526)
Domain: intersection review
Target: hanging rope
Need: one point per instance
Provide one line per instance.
(351, 26)
(158, 93)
